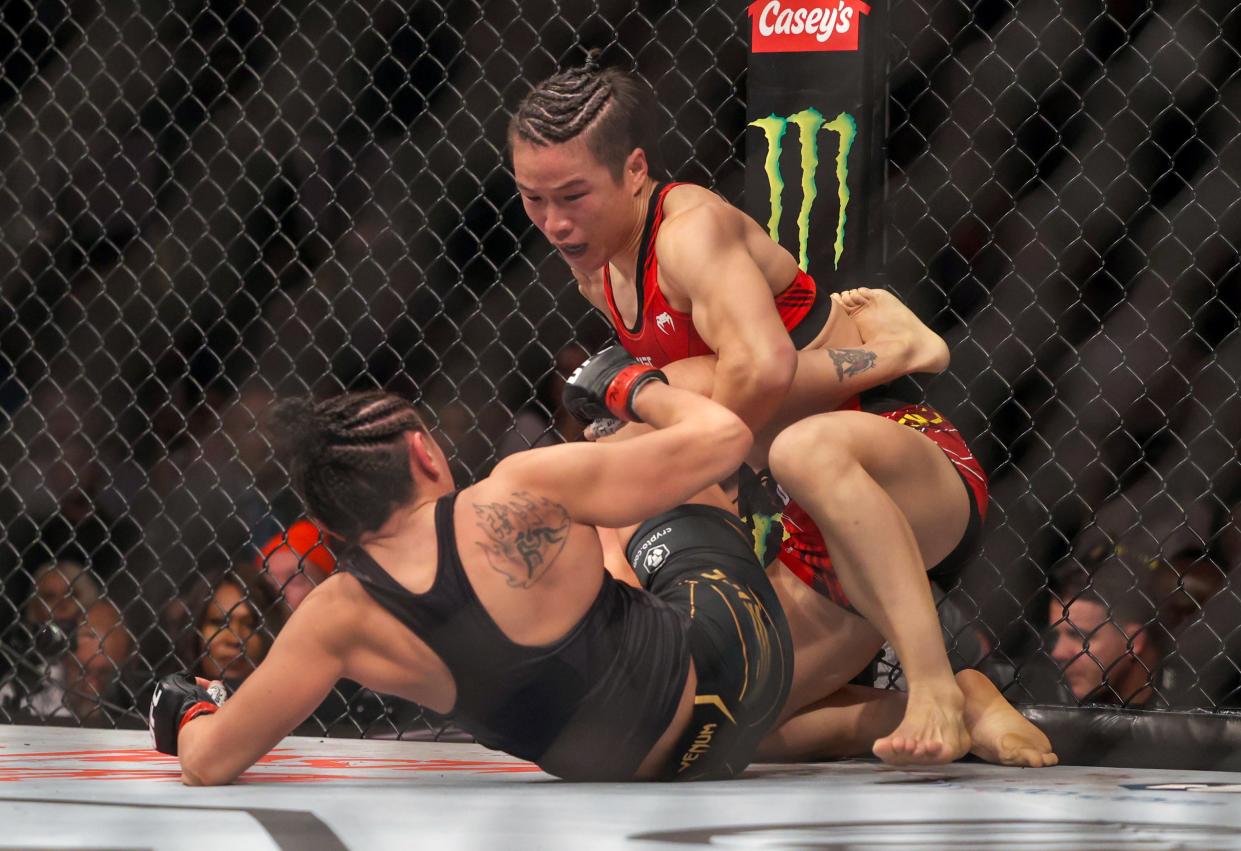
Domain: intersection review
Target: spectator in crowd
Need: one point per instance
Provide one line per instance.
(297, 560)
(224, 623)
(1105, 636)
(63, 593)
(102, 648)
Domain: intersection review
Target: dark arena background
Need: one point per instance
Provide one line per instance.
(206, 206)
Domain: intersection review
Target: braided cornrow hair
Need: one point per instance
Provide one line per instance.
(612, 108)
(347, 457)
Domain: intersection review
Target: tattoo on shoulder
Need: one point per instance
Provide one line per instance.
(851, 362)
(524, 536)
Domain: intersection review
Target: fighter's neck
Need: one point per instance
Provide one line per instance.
(625, 261)
(408, 525)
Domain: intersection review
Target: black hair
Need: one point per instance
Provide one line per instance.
(347, 457)
(614, 109)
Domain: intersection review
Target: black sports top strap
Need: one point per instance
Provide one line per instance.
(449, 617)
(644, 248)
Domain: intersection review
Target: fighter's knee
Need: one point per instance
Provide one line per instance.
(783, 451)
(812, 447)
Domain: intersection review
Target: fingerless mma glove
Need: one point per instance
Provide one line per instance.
(606, 384)
(177, 701)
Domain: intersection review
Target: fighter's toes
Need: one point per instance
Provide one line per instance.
(1035, 758)
(890, 749)
(853, 300)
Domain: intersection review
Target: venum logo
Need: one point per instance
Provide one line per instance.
(798, 26)
(809, 122)
(664, 323)
(702, 744)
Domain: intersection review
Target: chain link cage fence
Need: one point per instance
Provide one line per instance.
(207, 204)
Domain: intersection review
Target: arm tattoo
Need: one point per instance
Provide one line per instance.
(524, 536)
(850, 362)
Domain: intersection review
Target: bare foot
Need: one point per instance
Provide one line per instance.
(879, 315)
(933, 731)
(1000, 733)
(854, 300)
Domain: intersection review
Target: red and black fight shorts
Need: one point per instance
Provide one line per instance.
(805, 553)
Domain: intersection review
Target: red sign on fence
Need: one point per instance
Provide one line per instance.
(790, 26)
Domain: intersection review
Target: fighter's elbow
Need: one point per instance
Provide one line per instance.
(780, 365)
(200, 776)
(189, 777)
(199, 770)
(731, 439)
(764, 372)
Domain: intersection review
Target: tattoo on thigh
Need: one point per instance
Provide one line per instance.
(524, 536)
(851, 362)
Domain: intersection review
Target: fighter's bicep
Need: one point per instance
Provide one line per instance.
(705, 261)
(609, 484)
(731, 302)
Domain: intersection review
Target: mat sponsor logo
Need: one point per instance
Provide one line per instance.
(810, 123)
(801, 26)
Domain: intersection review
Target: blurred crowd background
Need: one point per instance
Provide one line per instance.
(205, 204)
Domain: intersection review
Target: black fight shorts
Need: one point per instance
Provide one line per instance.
(701, 560)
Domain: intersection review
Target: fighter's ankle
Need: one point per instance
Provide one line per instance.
(937, 688)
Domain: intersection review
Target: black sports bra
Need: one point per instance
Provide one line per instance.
(588, 706)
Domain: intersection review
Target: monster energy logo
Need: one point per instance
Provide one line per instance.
(809, 122)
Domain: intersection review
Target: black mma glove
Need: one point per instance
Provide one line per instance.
(605, 385)
(177, 701)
